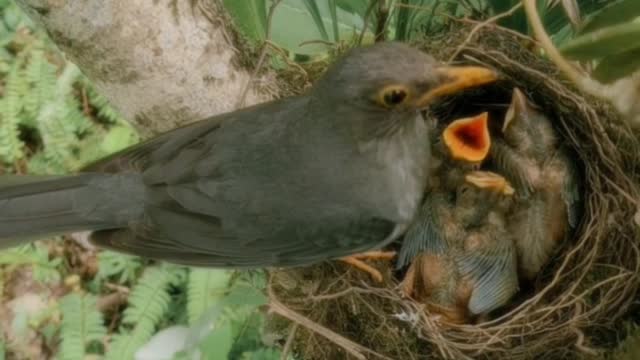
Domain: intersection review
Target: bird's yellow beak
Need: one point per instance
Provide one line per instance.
(468, 138)
(491, 181)
(455, 79)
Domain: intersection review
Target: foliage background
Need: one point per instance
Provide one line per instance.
(62, 300)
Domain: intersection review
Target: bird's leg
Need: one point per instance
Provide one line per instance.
(357, 261)
(407, 286)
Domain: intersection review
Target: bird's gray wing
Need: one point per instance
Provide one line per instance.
(509, 164)
(424, 234)
(174, 144)
(198, 240)
(493, 274)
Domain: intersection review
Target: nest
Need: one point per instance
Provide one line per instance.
(575, 304)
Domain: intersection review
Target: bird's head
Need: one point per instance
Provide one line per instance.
(390, 82)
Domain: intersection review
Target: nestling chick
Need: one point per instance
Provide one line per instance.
(468, 266)
(457, 149)
(547, 197)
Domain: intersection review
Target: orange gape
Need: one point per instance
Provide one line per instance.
(468, 138)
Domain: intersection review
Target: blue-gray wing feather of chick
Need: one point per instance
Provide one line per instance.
(493, 271)
(424, 234)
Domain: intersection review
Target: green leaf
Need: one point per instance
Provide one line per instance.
(291, 20)
(118, 138)
(617, 66)
(614, 14)
(250, 16)
(415, 15)
(263, 354)
(217, 345)
(517, 21)
(312, 7)
(356, 7)
(333, 10)
(601, 43)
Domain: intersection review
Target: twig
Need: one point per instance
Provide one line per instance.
(352, 348)
(111, 301)
(496, 26)
(340, 294)
(381, 23)
(283, 53)
(479, 26)
(287, 345)
(263, 54)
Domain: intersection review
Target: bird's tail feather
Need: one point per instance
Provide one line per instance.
(38, 206)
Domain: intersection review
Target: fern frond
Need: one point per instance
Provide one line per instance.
(204, 289)
(148, 303)
(82, 324)
(11, 147)
(40, 75)
(45, 270)
(124, 268)
(55, 136)
(75, 118)
(105, 111)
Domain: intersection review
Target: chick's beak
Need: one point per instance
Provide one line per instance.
(455, 79)
(491, 181)
(468, 138)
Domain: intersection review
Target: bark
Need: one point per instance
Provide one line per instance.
(161, 63)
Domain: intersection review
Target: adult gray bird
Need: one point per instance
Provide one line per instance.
(334, 172)
(547, 194)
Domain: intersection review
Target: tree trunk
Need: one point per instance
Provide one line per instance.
(161, 63)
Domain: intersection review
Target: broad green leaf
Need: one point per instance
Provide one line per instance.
(601, 43)
(357, 7)
(250, 16)
(263, 354)
(292, 26)
(217, 345)
(617, 66)
(614, 14)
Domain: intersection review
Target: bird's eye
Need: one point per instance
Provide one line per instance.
(393, 95)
